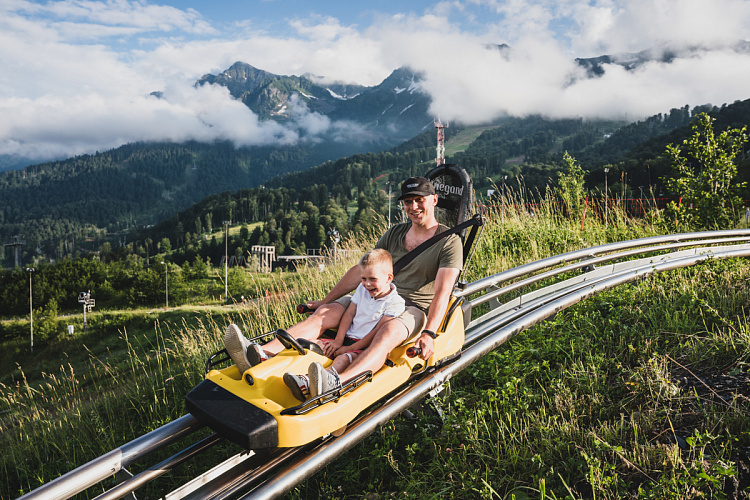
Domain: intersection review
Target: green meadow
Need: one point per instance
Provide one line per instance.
(639, 392)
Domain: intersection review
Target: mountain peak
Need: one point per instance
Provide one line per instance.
(239, 78)
(395, 109)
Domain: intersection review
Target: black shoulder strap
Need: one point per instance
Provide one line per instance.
(406, 259)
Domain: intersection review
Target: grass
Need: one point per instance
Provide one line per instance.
(602, 402)
(234, 230)
(463, 139)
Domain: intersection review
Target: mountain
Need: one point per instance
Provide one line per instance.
(594, 66)
(388, 113)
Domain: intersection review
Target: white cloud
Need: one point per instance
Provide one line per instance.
(77, 74)
(634, 25)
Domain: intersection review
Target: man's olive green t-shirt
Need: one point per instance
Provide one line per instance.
(416, 281)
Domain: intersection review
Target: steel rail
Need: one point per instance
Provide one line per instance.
(484, 334)
(103, 467)
(589, 277)
(592, 262)
(135, 482)
(592, 252)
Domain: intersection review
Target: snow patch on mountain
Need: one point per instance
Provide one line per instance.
(407, 107)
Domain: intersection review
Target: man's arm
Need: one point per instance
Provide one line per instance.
(346, 284)
(444, 281)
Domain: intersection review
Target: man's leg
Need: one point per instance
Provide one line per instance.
(387, 338)
(323, 318)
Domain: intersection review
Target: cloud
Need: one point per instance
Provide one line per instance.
(54, 126)
(77, 74)
(635, 25)
(473, 82)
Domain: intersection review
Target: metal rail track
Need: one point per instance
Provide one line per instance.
(270, 474)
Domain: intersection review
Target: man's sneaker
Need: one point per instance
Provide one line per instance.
(245, 353)
(322, 380)
(299, 384)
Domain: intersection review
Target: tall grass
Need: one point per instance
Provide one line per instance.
(520, 231)
(66, 417)
(585, 406)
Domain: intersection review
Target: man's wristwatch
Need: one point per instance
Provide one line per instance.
(430, 333)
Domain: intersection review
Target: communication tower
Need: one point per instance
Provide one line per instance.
(15, 242)
(440, 160)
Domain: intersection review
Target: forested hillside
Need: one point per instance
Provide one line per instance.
(529, 150)
(77, 205)
(58, 206)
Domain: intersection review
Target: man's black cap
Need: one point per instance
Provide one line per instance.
(416, 186)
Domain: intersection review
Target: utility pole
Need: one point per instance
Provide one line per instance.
(389, 202)
(606, 197)
(166, 284)
(31, 308)
(504, 178)
(226, 262)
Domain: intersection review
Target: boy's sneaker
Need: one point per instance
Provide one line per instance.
(322, 380)
(255, 353)
(245, 353)
(299, 384)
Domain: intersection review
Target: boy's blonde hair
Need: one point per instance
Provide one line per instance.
(377, 257)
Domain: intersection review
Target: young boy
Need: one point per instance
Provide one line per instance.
(375, 302)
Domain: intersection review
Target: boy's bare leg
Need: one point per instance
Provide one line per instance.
(325, 317)
(341, 362)
(373, 358)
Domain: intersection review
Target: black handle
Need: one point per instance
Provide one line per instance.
(302, 309)
(289, 342)
(413, 351)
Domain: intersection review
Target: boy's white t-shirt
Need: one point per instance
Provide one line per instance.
(370, 310)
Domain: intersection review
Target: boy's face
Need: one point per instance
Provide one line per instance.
(376, 280)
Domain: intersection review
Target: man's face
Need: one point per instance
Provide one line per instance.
(418, 208)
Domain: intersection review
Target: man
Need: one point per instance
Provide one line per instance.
(425, 283)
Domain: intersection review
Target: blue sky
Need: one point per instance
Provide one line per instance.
(273, 15)
(77, 74)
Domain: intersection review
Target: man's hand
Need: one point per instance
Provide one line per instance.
(314, 304)
(427, 344)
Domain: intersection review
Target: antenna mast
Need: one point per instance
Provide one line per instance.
(440, 160)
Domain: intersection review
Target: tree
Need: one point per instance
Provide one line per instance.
(165, 245)
(705, 174)
(209, 223)
(570, 187)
